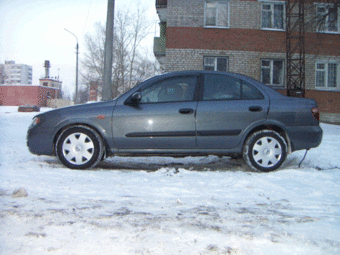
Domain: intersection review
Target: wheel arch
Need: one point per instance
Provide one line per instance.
(274, 127)
(86, 125)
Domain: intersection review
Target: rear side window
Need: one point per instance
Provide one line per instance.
(249, 92)
(176, 89)
(225, 87)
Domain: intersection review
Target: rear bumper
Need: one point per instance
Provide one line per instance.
(305, 137)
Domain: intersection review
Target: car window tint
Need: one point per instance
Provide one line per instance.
(170, 90)
(221, 87)
(249, 92)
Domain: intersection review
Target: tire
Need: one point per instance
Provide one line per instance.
(265, 151)
(79, 147)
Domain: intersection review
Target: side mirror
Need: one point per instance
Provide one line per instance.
(136, 98)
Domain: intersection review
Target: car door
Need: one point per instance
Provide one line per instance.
(163, 119)
(227, 107)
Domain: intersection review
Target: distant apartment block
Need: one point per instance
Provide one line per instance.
(15, 74)
(249, 37)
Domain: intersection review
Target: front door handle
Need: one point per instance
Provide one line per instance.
(186, 111)
(255, 108)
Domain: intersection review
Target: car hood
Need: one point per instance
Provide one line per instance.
(77, 110)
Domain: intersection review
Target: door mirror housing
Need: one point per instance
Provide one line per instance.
(136, 98)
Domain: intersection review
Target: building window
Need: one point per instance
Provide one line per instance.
(272, 72)
(326, 75)
(273, 16)
(329, 20)
(216, 64)
(216, 14)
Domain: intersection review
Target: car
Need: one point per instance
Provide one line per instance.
(187, 113)
(28, 108)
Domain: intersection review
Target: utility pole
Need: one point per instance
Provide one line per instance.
(77, 48)
(107, 75)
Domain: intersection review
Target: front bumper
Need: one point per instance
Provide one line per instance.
(39, 142)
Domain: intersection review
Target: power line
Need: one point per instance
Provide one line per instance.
(87, 17)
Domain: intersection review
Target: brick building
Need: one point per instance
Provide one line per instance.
(249, 37)
(16, 95)
(94, 94)
(51, 83)
(16, 86)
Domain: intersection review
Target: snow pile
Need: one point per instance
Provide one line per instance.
(161, 205)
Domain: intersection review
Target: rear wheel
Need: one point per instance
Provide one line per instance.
(79, 147)
(265, 151)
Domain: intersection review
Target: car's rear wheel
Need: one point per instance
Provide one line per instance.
(265, 151)
(79, 147)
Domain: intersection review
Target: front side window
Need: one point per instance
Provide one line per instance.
(326, 75)
(225, 87)
(328, 18)
(272, 72)
(216, 64)
(177, 89)
(216, 14)
(273, 16)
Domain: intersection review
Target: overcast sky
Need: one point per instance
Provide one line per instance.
(32, 31)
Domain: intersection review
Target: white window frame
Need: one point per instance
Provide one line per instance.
(218, 2)
(325, 70)
(215, 64)
(326, 28)
(272, 4)
(271, 68)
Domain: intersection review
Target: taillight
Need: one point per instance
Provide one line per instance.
(316, 113)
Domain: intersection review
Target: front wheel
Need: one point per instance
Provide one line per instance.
(265, 151)
(79, 147)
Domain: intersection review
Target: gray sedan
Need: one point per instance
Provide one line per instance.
(180, 114)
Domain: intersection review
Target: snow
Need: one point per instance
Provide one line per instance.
(162, 205)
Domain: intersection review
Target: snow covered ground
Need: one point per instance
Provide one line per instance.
(161, 205)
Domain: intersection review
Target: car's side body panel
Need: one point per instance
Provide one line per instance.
(221, 124)
(154, 126)
(97, 116)
(294, 116)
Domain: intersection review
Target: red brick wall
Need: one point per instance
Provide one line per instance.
(31, 95)
(247, 40)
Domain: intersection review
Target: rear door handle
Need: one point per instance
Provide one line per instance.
(186, 111)
(255, 108)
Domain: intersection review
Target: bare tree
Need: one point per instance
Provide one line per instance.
(145, 67)
(129, 58)
(83, 94)
(322, 15)
(321, 19)
(140, 28)
(2, 74)
(122, 40)
(93, 60)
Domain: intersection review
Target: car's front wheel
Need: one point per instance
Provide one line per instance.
(79, 147)
(265, 151)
